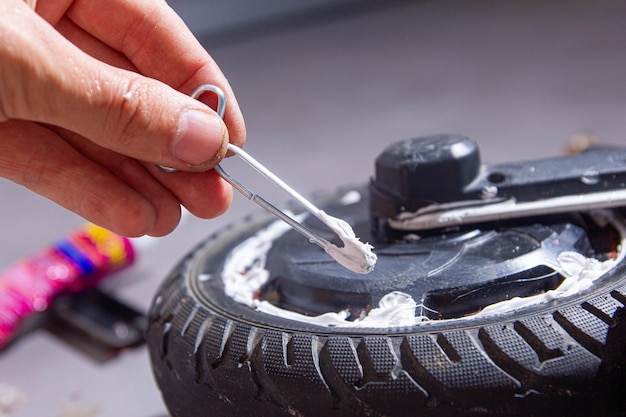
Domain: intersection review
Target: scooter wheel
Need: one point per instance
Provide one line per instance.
(214, 355)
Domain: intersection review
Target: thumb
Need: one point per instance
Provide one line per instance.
(45, 78)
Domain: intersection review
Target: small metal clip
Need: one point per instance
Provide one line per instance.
(354, 255)
(221, 106)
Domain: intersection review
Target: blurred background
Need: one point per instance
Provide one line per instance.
(325, 86)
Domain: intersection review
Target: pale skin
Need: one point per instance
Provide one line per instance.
(94, 95)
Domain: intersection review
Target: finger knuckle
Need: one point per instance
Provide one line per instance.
(129, 118)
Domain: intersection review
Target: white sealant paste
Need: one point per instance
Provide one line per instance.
(354, 255)
(244, 273)
(244, 270)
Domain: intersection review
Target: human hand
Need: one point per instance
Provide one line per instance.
(93, 95)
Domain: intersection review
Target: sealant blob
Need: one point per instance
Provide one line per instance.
(354, 255)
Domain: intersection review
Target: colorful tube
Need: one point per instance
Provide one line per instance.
(71, 264)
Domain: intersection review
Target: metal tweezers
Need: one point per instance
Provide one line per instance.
(318, 240)
(221, 106)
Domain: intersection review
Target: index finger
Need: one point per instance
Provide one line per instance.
(159, 44)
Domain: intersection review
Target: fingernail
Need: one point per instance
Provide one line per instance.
(199, 137)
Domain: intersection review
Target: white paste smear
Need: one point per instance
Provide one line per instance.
(354, 255)
(579, 271)
(395, 309)
(244, 270)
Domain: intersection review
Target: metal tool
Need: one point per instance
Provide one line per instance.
(439, 181)
(443, 216)
(354, 255)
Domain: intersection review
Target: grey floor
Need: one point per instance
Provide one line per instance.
(324, 89)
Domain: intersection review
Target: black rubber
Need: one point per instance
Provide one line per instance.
(214, 357)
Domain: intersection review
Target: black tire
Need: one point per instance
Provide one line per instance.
(212, 356)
